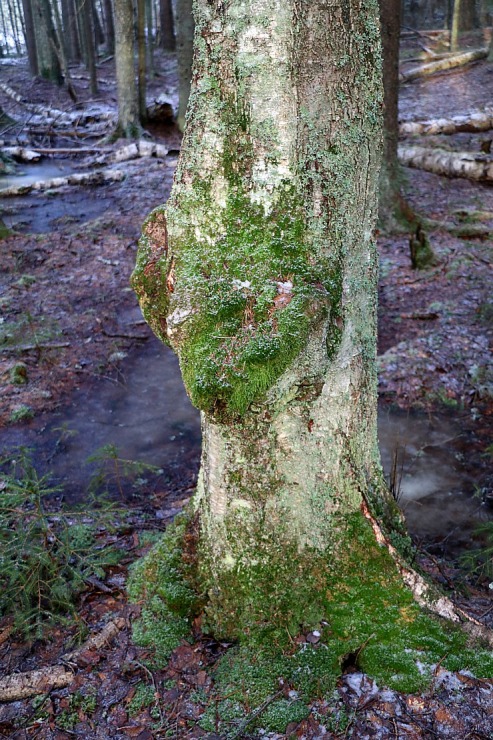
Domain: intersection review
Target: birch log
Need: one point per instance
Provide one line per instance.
(473, 122)
(77, 178)
(459, 60)
(451, 164)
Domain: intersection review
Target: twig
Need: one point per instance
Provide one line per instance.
(253, 715)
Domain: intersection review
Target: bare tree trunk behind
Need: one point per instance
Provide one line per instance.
(48, 63)
(150, 38)
(89, 43)
(128, 104)
(390, 196)
(184, 53)
(168, 40)
(109, 27)
(30, 37)
(142, 66)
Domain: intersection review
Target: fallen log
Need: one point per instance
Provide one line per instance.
(442, 65)
(43, 680)
(470, 123)
(136, 149)
(21, 154)
(471, 166)
(99, 177)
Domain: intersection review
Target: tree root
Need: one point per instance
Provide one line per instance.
(424, 593)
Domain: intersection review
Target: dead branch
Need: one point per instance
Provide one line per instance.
(23, 685)
(99, 177)
(450, 164)
(97, 641)
(426, 595)
(32, 347)
(470, 123)
(441, 65)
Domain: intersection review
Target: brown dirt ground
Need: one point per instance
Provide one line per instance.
(67, 307)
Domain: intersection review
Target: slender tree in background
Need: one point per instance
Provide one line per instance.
(109, 27)
(128, 106)
(167, 38)
(46, 41)
(30, 37)
(89, 44)
(261, 272)
(184, 53)
(69, 17)
(391, 202)
(142, 57)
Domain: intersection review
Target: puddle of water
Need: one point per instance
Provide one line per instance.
(27, 174)
(435, 490)
(36, 213)
(146, 414)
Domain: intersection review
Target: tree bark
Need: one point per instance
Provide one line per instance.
(128, 105)
(184, 53)
(262, 276)
(451, 164)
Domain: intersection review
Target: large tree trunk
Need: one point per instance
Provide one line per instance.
(262, 276)
(261, 272)
(128, 106)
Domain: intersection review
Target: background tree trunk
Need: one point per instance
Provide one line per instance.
(128, 106)
(390, 192)
(168, 40)
(30, 37)
(142, 66)
(90, 49)
(262, 276)
(109, 26)
(48, 63)
(184, 53)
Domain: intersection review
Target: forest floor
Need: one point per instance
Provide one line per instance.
(68, 316)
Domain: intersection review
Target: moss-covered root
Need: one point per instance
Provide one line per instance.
(422, 255)
(365, 615)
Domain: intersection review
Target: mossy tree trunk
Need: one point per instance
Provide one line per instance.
(261, 272)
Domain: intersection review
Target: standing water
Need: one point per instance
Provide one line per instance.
(144, 412)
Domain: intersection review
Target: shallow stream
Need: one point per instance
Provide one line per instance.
(144, 412)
